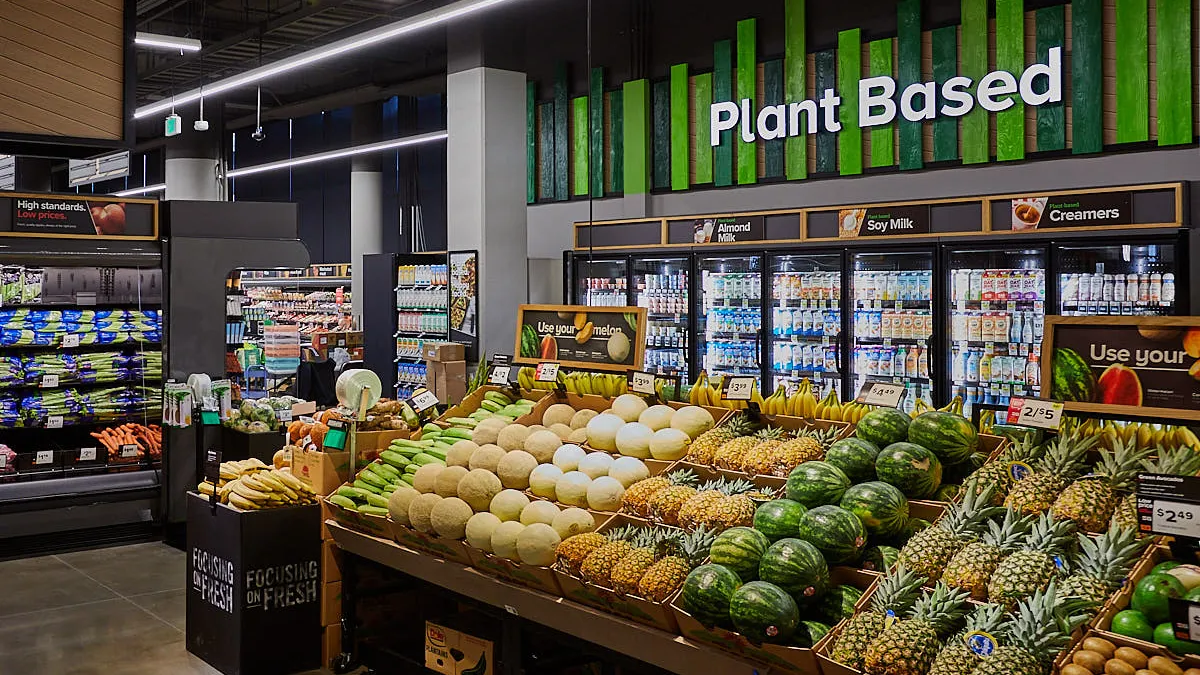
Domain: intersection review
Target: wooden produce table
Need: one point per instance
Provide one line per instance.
(659, 648)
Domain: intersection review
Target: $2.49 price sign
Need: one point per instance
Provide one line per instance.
(1035, 412)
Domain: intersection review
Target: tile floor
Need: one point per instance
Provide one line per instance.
(113, 611)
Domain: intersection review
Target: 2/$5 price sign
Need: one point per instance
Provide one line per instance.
(1170, 505)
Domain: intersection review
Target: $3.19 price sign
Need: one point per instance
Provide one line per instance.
(641, 382)
(499, 375)
(424, 400)
(884, 394)
(737, 388)
(546, 372)
(1035, 412)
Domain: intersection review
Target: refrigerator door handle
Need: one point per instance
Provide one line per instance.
(758, 341)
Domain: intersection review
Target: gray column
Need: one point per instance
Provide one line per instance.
(193, 161)
(366, 199)
(33, 174)
(485, 167)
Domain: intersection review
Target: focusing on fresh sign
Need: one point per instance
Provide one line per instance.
(877, 104)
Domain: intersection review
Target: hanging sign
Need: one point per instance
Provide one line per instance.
(883, 221)
(1084, 209)
(729, 230)
(591, 338)
(65, 216)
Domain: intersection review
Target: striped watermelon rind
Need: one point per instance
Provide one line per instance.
(816, 484)
(707, 591)
(838, 603)
(855, 457)
(883, 426)
(764, 612)
(740, 549)
(951, 437)
(881, 506)
(912, 468)
(837, 533)
(778, 518)
(809, 633)
(797, 567)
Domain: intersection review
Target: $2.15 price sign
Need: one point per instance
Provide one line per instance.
(885, 394)
(737, 388)
(1035, 412)
(546, 372)
(641, 382)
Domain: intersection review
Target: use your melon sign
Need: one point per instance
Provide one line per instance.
(590, 338)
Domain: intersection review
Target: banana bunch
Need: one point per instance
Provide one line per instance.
(249, 484)
(921, 406)
(987, 421)
(600, 384)
(706, 392)
(1143, 434)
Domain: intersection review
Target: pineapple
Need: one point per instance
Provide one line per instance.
(760, 459)
(1091, 500)
(971, 567)
(896, 593)
(734, 509)
(1125, 515)
(1102, 564)
(680, 555)
(808, 445)
(956, 657)
(704, 449)
(930, 550)
(571, 553)
(1040, 630)
(597, 567)
(628, 571)
(1034, 566)
(732, 453)
(998, 474)
(666, 505)
(1053, 472)
(908, 647)
(638, 497)
(692, 512)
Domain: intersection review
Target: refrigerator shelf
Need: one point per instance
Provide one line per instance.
(864, 303)
(990, 344)
(803, 339)
(725, 336)
(1022, 385)
(734, 370)
(735, 303)
(796, 303)
(920, 342)
(800, 374)
(994, 305)
(667, 316)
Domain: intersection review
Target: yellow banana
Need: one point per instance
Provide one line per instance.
(240, 488)
(241, 502)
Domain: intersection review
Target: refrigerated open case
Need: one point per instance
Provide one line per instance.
(661, 286)
(728, 315)
(1119, 279)
(805, 302)
(601, 282)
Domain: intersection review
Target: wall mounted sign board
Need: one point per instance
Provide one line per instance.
(593, 338)
(73, 216)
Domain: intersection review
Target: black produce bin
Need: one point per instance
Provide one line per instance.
(254, 588)
(241, 445)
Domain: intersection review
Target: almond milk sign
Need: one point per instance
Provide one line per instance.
(878, 104)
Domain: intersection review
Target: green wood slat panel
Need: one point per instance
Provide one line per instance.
(723, 91)
(974, 64)
(773, 93)
(546, 149)
(1010, 56)
(945, 58)
(660, 135)
(562, 142)
(530, 142)
(703, 150)
(908, 15)
(636, 102)
(679, 127)
(579, 150)
(1051, 117)
(747, 86)
(849, 71)
(616, 140)
(1087, 87)
(1174, 58)
(825, 65)
(796, 85)
(882, 137)
(596, 131)
(1133, 71)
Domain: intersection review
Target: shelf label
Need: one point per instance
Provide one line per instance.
(129, 450)
(737, 388)
(1168, 504)
(1175, 518)
(547, 371)
(49, 381)
(885, 394)
(641, 382)
(44, 457)
(1035, 412)
(423, 400)
(499, 375)
(70, 340)
(54, 422)
(87, 454)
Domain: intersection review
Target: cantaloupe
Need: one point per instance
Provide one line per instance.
(425, 477)
(692, 420)
(539, 511)
(478, 488)
(449, 517)
(536, 544)
(542, 444)
(399, 502)
(572, 521)
(563, 431)
(446, 483)
(604, 494)
(633, 440)
(629, 407)
(580, 419)
(508, 504)
(479, 530)
(460, 453)
(542, 480)
(514, 469)
(567, 457)
(487, 457)
(559, 413)
(420, 510)
(487, 431)
(512, 437)
(602, 431)
(578, 436)
(504, 539)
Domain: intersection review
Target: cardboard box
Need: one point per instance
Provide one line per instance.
(331, 562)
(323, 471)
(376, 526)
(370, 443)
(443, 644)
(542, 579)
(453, 550)
(331, 604)
(447, 380)
(443, 351)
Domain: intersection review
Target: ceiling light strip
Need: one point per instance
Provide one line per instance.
(430, 137)
(434, 17)
(166, 42)
(160, 187)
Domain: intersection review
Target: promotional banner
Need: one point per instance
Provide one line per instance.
(883, 221)
(52, 215)
(595, 338)
(729, 230)
(1094, 209)
(1152, 363)
(464, 299)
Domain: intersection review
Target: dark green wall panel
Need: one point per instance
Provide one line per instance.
(974, 64)
(636, 103)
(661, 134)
(1010, 56)
(616, 140)
(945, 129)
(723, 91)
(703, 151)
(579, 149)
(825, 65)
(562, 142)
(773, 93)
(883, 136)
(530, 142)
(1174, 59)
(849, 71)
(679, 127)
(546, 149)
(596, 131)
(908, 66)
(796, 76)
(1087, 87)
(1051, 117)
(747, 87)
(1133, 71)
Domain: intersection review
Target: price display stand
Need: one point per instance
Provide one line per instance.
(646, 384)
(1170, 505)
(885, 394)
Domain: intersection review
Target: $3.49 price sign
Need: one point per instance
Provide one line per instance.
(886, 394)
(546, 372)
(736, 388)
(1035, 412)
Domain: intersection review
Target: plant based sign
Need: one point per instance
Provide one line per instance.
(595, 338)
(879, 222)
(1039, 84)
(1147, 362)
(1074, 210)
(728, 230)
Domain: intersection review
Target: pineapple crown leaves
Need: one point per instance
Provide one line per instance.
(897, 591)
(943, 608)
(648, 537)
(1181, 461)
(1065, 455)
(1022, 449)
(1008, 533)
(742, 425)
(736, 487)
(970, 516)
(683, 477)
(1109, 556)
(1043, 623)
(989, 618)
(1049, 535)
(623, 533)
(771, 434)
(692, 547)
(1121, 465)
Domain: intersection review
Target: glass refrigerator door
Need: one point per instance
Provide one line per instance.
(729, 316)
(661, 286)
(997, 311)
(806, 320)
(601, 283)
(893, 322)
(1117, 280)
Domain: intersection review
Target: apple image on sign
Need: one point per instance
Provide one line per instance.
(109, 219)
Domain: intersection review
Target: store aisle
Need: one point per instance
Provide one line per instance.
(116, 611)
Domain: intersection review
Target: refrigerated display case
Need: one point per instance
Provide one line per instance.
(893, 327)
(729, 338)
(661, 286)
(1124, 279)
(997, 313)
(602, 282)
(422, 315)
(806, 320)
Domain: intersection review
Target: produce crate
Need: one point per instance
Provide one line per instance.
(453, 550)
(655, 467)
(541, 579)
(471, 403)
(790, 424)
(768, 485)
(1148, 648)
(377, 526)
(781, 657)
(600, 404)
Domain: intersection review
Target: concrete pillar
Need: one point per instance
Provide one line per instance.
(33, 174)
(486, 211)
(193, 161)
(366, 199)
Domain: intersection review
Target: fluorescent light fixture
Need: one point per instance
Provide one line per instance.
(338, 154)
(396, 29)
(166, 42)
(160, 187)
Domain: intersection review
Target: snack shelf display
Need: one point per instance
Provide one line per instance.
(314, 304)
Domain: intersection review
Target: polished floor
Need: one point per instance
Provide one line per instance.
(113, 611)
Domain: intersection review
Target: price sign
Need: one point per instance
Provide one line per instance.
(4, 461)
(87, 454)
(49, 381)
(423, 400)
(546, 372)
(1175, 518)
(70, 340)
(641, 382)
(737, 388)
(887, 394)
(1035, 412)
(499, 375)
(284, 415)
(44, 457)
(1168, 504)
(54, 422)
(501, 360)
(128, 450)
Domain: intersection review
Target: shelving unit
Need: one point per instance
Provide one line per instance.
(422, 315)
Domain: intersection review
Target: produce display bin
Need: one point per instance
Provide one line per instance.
(471, 402)
(378, 526)
(452, 550)
(241, 445)
(542, 579)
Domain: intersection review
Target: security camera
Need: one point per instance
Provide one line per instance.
(200, 125)
(259, 134)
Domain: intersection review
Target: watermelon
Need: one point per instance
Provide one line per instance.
(816, 484)
(883, 426)
(837, 533)
(951, 437)
(740, 549)
(797, 567)
(855, 457)
(879, 558)
(707, 591)
(839, 603)
(947, 493)
(778, 518)
(911, 467)
(1070, 377)
(882, 507)
(764, 612)
(809, 633)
